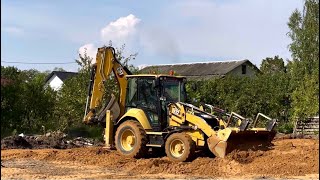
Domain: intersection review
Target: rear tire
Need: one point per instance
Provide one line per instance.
(180, 147)
(131, 139)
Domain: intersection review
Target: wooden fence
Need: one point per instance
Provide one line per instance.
(308, 127)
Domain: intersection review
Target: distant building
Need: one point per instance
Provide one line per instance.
(206, 70)
(56, 78)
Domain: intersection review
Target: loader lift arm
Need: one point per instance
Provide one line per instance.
(106, 63)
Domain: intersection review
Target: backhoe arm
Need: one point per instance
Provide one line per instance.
(106, 63)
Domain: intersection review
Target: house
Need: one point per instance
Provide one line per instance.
(56, 78)
(206, 70)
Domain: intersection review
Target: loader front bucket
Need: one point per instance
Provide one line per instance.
(246, 137)
(250, 140)
(241, 141)
(241, 136)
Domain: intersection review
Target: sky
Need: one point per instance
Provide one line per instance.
(161, 32)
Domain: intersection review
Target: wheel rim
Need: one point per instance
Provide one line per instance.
(127, 140)
(177, 148)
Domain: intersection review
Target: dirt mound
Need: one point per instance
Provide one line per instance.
(56, 140)
(288, 157)
(15, 142)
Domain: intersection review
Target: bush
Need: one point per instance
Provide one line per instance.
(286, 128)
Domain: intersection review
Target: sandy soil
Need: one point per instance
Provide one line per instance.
(287, 158)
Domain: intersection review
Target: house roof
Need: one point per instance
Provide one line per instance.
(214, 68)
(61, 75)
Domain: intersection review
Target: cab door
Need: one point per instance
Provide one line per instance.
(143, 94)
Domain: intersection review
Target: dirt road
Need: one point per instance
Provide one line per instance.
(288, 158)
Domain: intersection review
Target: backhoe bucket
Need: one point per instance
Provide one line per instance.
(113, 106)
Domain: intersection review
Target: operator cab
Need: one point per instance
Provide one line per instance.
(152, 93)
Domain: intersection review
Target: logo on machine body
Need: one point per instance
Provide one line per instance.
(176, 112)
(120, 71)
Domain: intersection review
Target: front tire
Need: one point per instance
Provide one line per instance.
(131, 139)
(180, 147)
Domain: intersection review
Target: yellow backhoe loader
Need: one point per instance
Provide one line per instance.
(151, 112)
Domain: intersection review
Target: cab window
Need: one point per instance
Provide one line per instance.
(174, 90)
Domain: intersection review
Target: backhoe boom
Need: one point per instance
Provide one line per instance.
(106, 63)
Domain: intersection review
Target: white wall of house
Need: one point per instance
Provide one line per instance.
(55, 82)
(250, 71)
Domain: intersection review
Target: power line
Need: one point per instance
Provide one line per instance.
(19, 62)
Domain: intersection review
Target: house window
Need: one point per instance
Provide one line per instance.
(244, 69)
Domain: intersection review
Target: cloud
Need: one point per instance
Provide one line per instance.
(12, 30)
(163, 44)
(190, 31)
(220, 30)
(90, 49)
(120, 30)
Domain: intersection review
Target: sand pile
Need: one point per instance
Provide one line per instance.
(285, 158)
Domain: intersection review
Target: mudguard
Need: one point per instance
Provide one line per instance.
(139, 115)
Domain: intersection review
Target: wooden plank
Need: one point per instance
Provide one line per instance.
(307, 132)
(314, 132)
(310, 121)
(308, 124)
(310, 127)
(314, 129)
(307, 129)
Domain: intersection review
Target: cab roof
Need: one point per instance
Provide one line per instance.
(155, 75)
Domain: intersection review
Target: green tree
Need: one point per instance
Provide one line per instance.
(26, 105)
(38, 103)
(11, 108)
(304, 69)
(272, 65)
(59, 69)
(264, 93)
